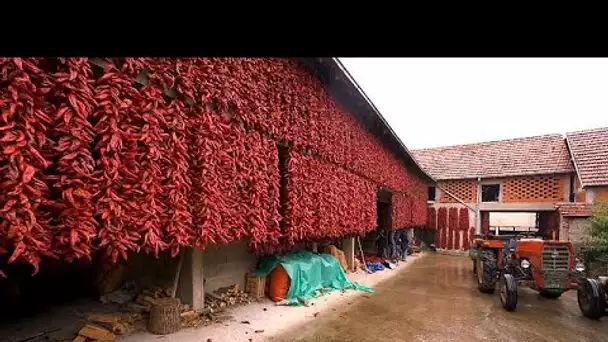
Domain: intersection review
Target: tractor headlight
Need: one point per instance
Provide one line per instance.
(580, 266)
(525, 263)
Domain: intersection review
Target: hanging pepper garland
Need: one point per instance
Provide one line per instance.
(454, 228)
(73, 164)
(432, 218)
(463, 225)
(25, 121)
(442, 223)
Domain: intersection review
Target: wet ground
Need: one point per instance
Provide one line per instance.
(436, 299)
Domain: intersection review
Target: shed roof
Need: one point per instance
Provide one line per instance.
(589, 151)
(574, 209)
(543, 154)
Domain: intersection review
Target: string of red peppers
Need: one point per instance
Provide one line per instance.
(442, 224)
(463, 225)
(432, 219)
(454, 230)
(25, 119)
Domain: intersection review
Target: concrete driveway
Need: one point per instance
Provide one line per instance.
(436, 299)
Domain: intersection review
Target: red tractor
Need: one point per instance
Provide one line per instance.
(544, 265)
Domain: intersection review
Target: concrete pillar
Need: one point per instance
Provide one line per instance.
(349, 252)
(190, 288)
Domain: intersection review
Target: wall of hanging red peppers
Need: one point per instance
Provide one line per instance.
(325, 201)
(99, 161)
(452, 227)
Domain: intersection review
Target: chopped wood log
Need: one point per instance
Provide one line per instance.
(79, 339)
(164, 316)
(227, 289)
(169, 291)
(214, 296)
(189, 315)
(149, 300)
(96, 333)
(122, 328)
(148, 293)
(104, 318)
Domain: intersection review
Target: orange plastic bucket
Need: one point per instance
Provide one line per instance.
(279, 284)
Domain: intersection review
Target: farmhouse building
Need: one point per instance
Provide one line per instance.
(553, 177)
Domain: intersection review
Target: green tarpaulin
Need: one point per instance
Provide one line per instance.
(309, 273)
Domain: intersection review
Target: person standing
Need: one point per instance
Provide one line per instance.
(404, 238)
(393, 236)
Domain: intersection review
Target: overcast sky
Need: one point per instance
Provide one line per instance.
(433, 102)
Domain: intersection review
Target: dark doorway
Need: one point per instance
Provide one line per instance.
(376, 242)
(383, 224)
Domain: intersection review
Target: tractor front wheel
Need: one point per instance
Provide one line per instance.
(591, 298)
(508, 292)
(486, 271)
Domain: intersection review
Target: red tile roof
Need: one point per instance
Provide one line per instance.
(545, 154)
(590, 154)
(574, 209)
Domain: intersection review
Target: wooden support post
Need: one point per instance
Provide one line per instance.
(349, 252)
(190, 287)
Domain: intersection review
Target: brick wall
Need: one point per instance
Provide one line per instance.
(466, 190)
(600, 195)
(533, 189)
(580, 195)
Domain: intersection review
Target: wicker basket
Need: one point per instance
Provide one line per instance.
(256, 286)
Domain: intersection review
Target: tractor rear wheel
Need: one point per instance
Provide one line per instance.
(591, 298)
(508, 292)
(486, 270)
(552, 294)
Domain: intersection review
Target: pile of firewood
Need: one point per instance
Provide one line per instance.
(146, 298)
(226, 297)
(135, 311)
(106, 326)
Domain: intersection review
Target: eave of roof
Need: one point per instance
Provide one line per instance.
(342, 86)
(574, 209)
